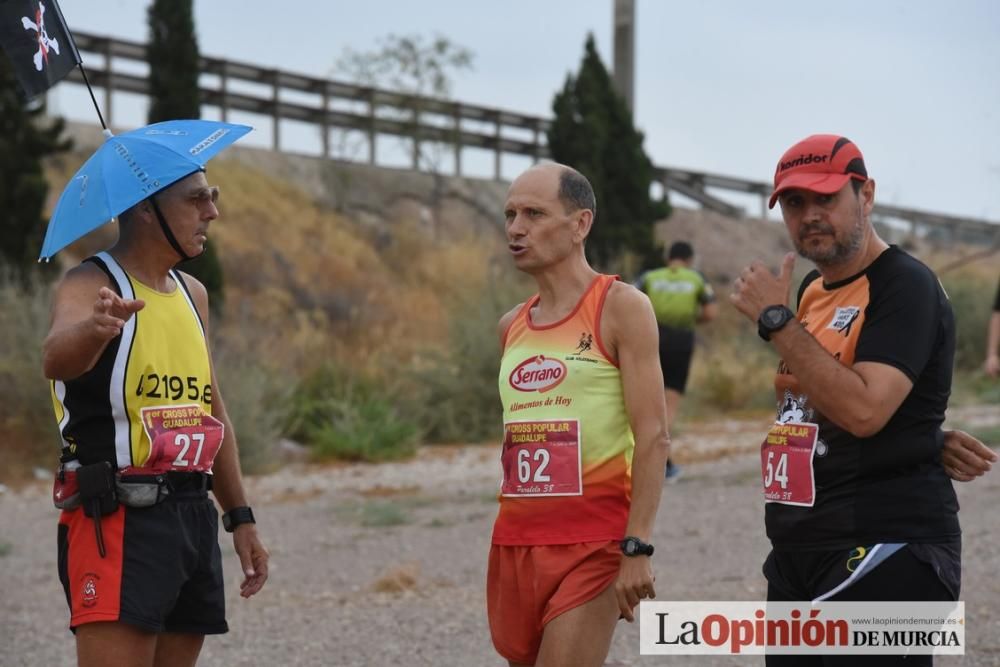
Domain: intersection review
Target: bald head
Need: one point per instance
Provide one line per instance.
(571, 187)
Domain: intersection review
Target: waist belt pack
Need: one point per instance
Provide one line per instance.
(148, 490)
(99, 489)
(129, 490)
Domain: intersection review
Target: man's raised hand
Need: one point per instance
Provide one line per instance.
(112, 311)
(757, 288)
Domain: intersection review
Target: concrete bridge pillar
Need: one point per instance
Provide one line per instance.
(624, 49)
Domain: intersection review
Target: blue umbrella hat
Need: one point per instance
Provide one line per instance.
(131, 167)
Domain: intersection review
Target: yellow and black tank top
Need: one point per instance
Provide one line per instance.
(160, 359)
(560, 388)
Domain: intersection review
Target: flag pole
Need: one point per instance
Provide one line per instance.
(79, 63)
(93, 99)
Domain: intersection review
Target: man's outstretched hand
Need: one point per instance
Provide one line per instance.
(112, 311)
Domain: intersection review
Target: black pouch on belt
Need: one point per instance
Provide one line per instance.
(97, 495)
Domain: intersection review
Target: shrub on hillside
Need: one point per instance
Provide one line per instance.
(344, 416)
(733, 370)
(257, 404)
(26, 418)
(971, 298)
(722, 386)
(454, 394)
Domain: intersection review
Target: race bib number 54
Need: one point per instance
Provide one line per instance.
(786, 460)
(181, 437)
(542, 458)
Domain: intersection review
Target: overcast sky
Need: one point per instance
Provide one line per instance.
(721, 86)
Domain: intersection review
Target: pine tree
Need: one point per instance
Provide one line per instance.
(173, 61)
(593, 132)
(174, 94)
(24, 142)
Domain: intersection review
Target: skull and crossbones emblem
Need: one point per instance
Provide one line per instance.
(44, 42)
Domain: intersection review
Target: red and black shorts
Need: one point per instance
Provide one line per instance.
(162, 569)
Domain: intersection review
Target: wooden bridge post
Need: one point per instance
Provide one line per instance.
(371, 126)
(325, 120)
(496, 155)
(224, 90)
(109, 83)
(276, 108)
(458, 138)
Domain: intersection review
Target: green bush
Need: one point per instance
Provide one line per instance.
(348, 417)
(972, 300)
(374, 513)
(733, 370)
(385, 514)
(26, 415)
(724, 386)
(257, 403)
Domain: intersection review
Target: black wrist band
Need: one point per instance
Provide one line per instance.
(237, 517)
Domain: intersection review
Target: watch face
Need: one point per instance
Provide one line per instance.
(774, 315)
(631, 547)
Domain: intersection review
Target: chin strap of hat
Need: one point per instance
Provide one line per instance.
(166, 230)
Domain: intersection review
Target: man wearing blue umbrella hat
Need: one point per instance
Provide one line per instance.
(144, 429)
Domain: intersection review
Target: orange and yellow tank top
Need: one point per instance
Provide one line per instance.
(160, 360)
(567, 447)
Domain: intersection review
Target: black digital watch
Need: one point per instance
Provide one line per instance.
(633, 546)
(773, 318)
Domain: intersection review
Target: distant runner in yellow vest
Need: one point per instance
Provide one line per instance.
(681, 298)
(585, 438)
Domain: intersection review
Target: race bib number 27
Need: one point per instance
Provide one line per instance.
(542, 458)
(181, 437)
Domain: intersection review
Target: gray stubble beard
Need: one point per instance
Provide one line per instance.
(841, 251)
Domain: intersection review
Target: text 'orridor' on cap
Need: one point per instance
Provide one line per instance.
(821, 163)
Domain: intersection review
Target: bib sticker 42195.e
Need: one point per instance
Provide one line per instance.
(786, 464)
(542, 458)
(181, 437)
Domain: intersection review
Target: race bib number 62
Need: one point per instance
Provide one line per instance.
(542, 458)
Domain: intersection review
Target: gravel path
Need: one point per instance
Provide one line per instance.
(385, 565)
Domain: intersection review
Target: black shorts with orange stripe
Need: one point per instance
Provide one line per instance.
(162, 569)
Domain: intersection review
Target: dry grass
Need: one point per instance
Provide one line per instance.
(380, 491)
(317, 282)
(399, 579)
(28, 435)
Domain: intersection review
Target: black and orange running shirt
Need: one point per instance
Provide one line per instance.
(889, 487)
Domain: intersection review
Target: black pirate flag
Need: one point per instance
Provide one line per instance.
(38, 43)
